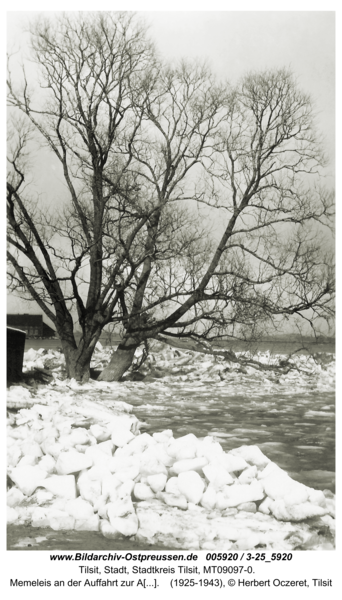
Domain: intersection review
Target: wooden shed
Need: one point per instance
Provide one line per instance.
(15, 354)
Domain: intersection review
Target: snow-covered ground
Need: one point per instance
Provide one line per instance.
(77, 461)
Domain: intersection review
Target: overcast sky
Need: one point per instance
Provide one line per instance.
(237, 42)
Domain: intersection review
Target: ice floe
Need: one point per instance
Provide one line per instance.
(173, 365)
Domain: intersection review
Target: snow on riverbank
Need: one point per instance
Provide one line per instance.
(76, 461)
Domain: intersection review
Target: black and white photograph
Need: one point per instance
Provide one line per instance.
(171, 294)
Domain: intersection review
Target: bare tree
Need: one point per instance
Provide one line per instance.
(151, 155)
(95, 71)
(273, 259)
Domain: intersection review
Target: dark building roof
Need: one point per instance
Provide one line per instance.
(25, 319)
(32, 324)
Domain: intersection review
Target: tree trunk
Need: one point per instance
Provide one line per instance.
(120, 361)
(79, 370)
(77, 364)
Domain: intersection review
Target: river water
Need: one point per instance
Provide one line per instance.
(296, 431)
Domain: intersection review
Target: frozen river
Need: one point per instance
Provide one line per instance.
(291, 418)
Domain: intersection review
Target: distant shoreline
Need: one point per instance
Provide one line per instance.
(271, 340)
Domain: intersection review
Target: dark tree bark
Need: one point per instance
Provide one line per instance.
(120, 362)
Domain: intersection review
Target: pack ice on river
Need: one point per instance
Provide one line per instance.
(196, 455)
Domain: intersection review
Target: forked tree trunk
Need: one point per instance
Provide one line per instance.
(120, 361)
(77, 358)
